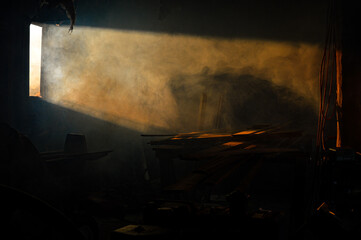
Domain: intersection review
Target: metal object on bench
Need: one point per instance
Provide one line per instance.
(75, 148)
(75, 143)
(72, 160)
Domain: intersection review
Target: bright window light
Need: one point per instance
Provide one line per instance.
(35, 60)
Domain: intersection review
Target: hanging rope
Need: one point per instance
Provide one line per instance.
(327, 76)
(327, 85)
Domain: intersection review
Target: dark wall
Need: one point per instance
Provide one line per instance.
(300, 21)
(350, 85)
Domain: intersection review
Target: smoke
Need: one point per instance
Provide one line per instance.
(143, 80)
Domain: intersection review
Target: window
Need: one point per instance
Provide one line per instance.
(35, 60)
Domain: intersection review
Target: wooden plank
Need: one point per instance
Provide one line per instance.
(167, 147)
(213, 151)
(241, 152)
(157, 135)
(209, 138)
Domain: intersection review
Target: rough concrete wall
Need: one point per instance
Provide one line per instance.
(47, 125)
(351, 76)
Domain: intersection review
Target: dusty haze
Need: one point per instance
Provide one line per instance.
(142, 80)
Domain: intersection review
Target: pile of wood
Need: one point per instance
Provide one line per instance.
(221, 154)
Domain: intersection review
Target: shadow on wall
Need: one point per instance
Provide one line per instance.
(236, 102)
(123, 169)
